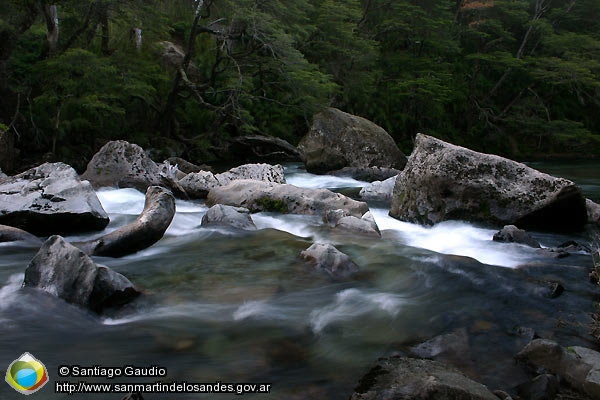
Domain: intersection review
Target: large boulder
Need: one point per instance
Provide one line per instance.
(235, 217)
(64, 271)
(198, 184)
(325, 257)
(124, 165)
(50, 199)
(267, 196)
(442, 181)
(413, 379)
(337, 140)
(147, 229)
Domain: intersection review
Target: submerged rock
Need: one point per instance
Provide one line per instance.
(64, 271)
(236, 217)
(11, 234)
(263, 196)
(147, 229)
(325, 257)
(337, 139)
(442, 181)
(512, 234)
(50, 199)
(412, 379)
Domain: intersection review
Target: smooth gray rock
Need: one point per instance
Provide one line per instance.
(198, 184)
(50, 199)
(64, 271)
(337, 139)
(593, 211)
(401, 378)
(512, 234)
(579, 366)
(124, 165)
(379, 190)
(365, 225)
(147, 229)
(325, 257)
(11, 234)
(263, 196)
(451, 348)
(442, 182)
(236, 217)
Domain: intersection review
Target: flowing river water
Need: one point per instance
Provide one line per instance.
(228, 306)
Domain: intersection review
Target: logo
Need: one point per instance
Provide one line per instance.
(26, 374)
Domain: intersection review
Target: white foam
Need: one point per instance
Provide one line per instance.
(297, 225)
(301, 178)
(8, 292)
(255, 309)
(457, 238)
(121, 201)
(352, 303)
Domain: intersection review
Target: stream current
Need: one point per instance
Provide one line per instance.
(229, 306)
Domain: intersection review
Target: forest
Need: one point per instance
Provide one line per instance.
(520, 78)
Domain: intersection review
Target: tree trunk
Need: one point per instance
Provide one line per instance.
(105, 32)
(51, 17)
(166, 118)
(137, 38)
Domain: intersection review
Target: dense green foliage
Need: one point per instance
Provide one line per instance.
(518, 77)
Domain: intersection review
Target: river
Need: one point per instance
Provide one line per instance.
(227, 306)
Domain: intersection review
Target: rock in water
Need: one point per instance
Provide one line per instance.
(412, 379)
(50, 199)
(198, 184)
(123, 165)
(147, 229)
(579, 366)
(593, 210)
(236, 217)
(11, 234)
(325, 257)
(337, 140)
(442, 181)
(361, 226)
(64, 271)
(512, 234)
(264, 196)
(379, 190)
